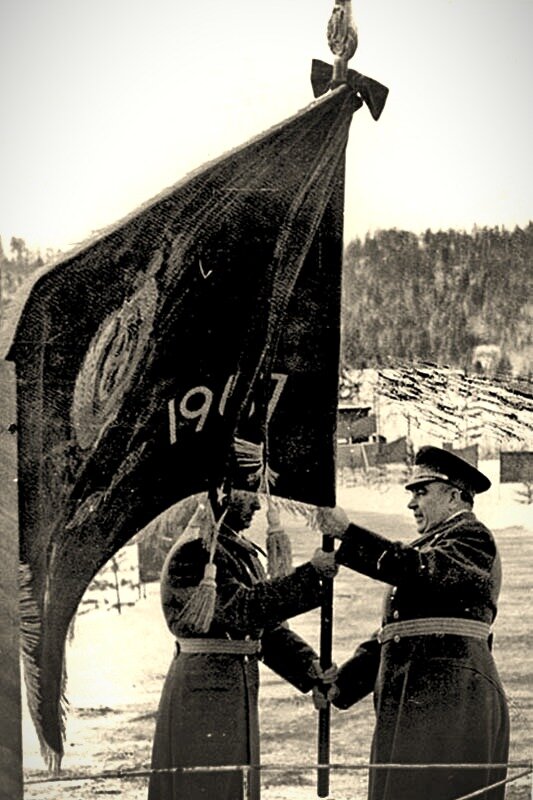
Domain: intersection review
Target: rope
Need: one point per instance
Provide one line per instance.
(527, 767)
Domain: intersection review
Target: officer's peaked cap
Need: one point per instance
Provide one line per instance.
(435, 464)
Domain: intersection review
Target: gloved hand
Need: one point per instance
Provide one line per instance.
(332, 521)
(325, 563)
(325, 689)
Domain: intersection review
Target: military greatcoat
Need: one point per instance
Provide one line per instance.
(438, 698)
(208, 709)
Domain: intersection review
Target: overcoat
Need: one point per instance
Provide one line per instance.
(438, 698)
(208, 711)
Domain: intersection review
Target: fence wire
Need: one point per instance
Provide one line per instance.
(526, 768)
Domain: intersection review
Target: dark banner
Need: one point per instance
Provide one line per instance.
(516, 467)
(194, 345)
(372, 454)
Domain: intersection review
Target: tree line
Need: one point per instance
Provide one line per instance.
(16, 264)
(439, 297)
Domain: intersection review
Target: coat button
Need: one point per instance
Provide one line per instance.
(395, 614)
(396, 638)
(393, 591)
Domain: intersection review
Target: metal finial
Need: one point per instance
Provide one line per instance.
(342, 39)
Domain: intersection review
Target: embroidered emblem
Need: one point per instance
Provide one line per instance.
(110, 364)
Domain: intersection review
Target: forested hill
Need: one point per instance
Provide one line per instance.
(440, 297)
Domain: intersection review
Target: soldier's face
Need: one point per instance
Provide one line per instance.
(241, 510)
(431, 504)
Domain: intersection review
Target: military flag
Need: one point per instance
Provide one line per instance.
(193, 345)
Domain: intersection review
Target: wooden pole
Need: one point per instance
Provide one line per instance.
(10, 697)
(326, 639)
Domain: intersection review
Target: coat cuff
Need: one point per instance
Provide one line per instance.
(361, 550)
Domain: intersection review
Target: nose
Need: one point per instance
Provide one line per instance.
(412, 504)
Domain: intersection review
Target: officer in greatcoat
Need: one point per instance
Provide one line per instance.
(437, 694)
(208, 713)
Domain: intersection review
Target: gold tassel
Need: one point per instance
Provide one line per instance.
(198, 613)
(278, 545)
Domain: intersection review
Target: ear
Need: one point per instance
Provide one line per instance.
(455, 495)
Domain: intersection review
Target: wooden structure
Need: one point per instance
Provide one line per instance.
(10, 697)
(354, 424)
(363, 455)
(516, 466)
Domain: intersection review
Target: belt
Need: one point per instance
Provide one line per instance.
(431, 626)
(238, 647)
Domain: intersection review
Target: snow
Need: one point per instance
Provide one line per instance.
(500, 507)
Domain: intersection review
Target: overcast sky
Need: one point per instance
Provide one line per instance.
(107, 102)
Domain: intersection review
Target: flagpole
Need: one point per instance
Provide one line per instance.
(326, 640)
(342, 40)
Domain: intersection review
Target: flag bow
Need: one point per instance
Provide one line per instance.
(374, 94)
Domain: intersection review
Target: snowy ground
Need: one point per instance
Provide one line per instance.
(117, 662)
(498, 508)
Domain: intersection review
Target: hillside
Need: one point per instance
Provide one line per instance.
(455, 298)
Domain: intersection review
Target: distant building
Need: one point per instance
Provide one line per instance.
(355, 424)
(486, 357)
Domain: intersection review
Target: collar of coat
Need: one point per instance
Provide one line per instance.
(443, 527)
(229, 535)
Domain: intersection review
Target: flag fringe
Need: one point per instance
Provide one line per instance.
(175, 518)
(251, 456)
(30, 630)
(295, 508)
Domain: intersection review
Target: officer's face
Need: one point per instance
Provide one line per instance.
(241, 510)
(431, 503)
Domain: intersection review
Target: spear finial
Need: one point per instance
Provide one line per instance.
(342, 39)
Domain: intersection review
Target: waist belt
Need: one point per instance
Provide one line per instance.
(429, 626)
(238, 647)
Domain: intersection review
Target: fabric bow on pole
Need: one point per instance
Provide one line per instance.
(374, 94)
